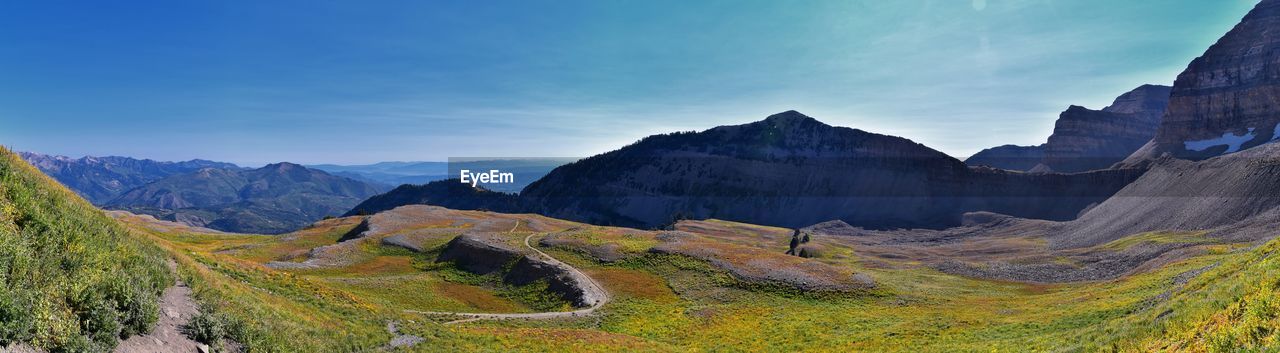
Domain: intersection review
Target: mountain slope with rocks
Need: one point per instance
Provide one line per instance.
(273, 199)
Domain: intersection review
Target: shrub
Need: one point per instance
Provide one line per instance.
(205, 328)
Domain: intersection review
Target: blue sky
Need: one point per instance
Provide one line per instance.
(254, 82)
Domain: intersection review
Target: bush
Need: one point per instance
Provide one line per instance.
(205, 328)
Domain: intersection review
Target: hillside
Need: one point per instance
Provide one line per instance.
(71, 279)
(792, 170)
(101, 179)
(273, 199)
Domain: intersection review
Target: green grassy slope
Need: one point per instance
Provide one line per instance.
(71, 278)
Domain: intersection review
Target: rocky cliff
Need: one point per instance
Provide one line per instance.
(1084, 139)
(1226, 100)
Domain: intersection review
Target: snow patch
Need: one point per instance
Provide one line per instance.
(1232, 141)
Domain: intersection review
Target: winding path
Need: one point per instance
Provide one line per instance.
(592, 289)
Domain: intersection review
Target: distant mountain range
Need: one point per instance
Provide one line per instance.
(526, 170)
(1085, 139)
(273, 199)
(101, 179)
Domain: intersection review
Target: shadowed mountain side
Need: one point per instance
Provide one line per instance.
(450, 193)
(792, 170)
(1011, 157)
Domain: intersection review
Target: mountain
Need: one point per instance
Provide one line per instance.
(273, 199)
(1085, 139)
(71, 278)
(1011, 157)
(100, 179)
(792, 170)
(525, 170)
(450, 193)
(1226, 100)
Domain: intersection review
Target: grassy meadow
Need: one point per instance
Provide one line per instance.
(1221, 299)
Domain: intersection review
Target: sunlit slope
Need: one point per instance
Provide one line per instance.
(71, 278)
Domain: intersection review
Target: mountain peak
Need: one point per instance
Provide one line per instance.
(791, 117)
(283, 166)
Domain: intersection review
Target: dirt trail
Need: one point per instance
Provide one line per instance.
(593, 289)
(176, 309)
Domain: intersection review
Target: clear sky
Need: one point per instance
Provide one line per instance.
(312, 81)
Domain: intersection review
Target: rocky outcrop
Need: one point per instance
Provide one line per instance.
(560, 280)
(1011, 157)
(489, 253)
(1084, 139)
(1226, 100)
(791, 170)
(478, 254)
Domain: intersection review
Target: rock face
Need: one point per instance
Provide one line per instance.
(791, 170)
(100, 179)
(273, 199)
(1226, 100)
(449, 193)
(1084, 139)
(1011, 157)
(488, 253)
(475, 254)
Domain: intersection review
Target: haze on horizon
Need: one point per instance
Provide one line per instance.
(347, 82)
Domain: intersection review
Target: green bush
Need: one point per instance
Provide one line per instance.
(205, 328)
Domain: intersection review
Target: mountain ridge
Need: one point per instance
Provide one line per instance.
(276, 198)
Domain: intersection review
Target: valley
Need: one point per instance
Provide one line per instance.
(1149, 225)
(699, 296)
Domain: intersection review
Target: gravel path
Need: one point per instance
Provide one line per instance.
(176, 309)
(593, 289)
